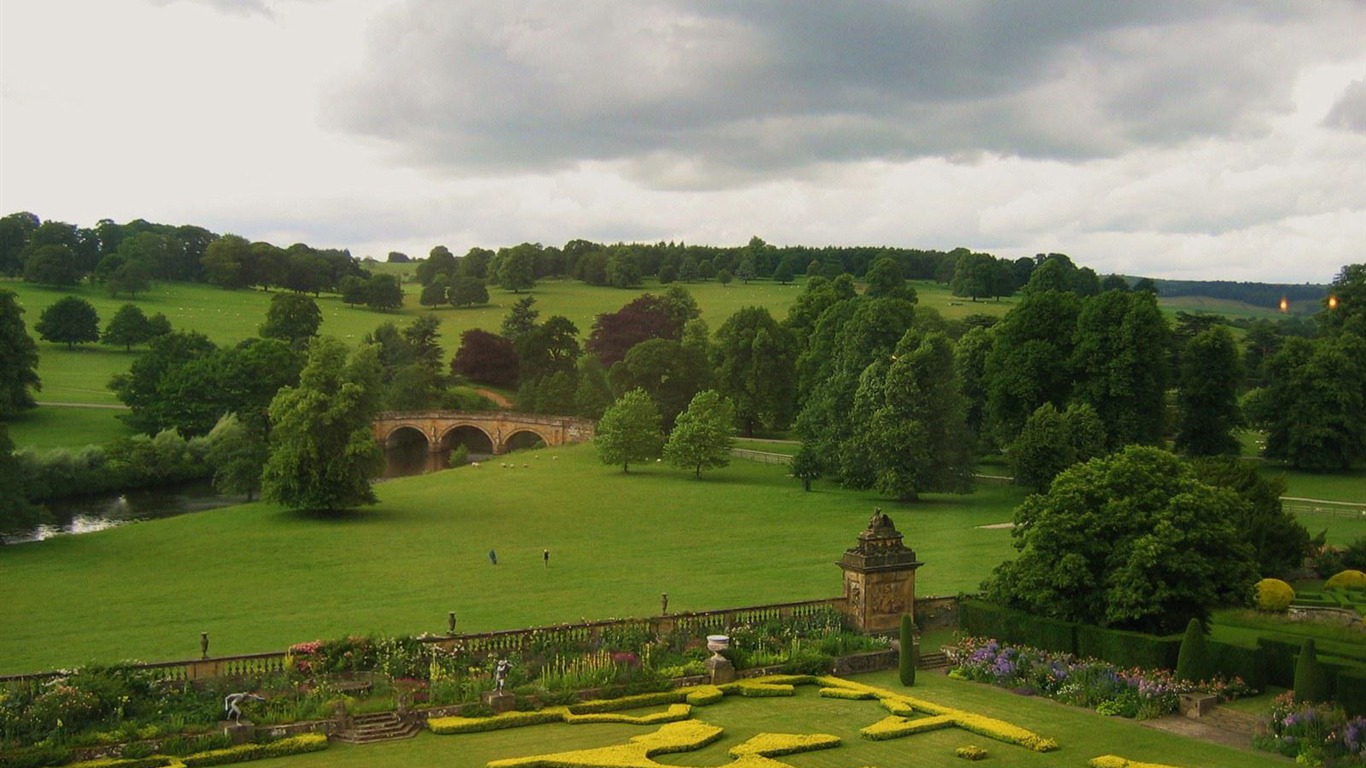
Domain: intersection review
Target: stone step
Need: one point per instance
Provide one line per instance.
(934, 660)
(378, 726)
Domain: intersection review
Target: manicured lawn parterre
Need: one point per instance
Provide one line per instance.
(1081, 735)
(259, 578)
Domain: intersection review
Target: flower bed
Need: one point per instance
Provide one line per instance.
(1137, 693)
(1313, 734)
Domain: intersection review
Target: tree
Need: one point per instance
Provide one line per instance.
(192, 397)
(434, 295)
(1131, 541)
(646, 317)
(70, 320)
(806, 466)
(127, 327)
(629, 431)
(486, 358)
(131, 277)
(785, 271)
(18, 359)
(322, 450)
(237, 455)
(1120, 361)
(592, 394)
(384, 293)
(16, 514)
(1279, 542)
(520, 319)
(723, 276)
(702, 438)
(139, 388)
(623, 268)
(1051, 441)
(972, 275)
(439, 262)
(353, 289)
(1030, 362)
(227, 262)
(467, 291)
(1346, 307)
(885, 280)
(1210, 375)
(51, 265)
(15, 231)
(756, 368)
(1314, 410)
(292, 317)
(551, 347)
(745, 270)
(970, 362)
(517, 267)
(669, 372)
(909, 430)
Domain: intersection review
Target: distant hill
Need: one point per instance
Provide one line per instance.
(1258, 294)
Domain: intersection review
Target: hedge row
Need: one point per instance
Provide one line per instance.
(1272, 662)
(1124, 649)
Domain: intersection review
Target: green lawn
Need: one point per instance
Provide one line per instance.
(49, 426)
(258, 578)
(1081, 735)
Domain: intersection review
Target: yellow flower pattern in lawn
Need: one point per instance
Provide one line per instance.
(674, 737)
(908, 716)
(1114, 761)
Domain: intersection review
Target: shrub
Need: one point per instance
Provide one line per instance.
(909, 651)
(1193, 662)
(1274, 595)
(1313, 734)
(1348, 579)
(1311, 679)
(970, 753)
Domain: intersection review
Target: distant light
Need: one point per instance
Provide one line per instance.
(1285, 304)
(1332, 302)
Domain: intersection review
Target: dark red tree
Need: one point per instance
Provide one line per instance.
(486, 358)
(647, 317)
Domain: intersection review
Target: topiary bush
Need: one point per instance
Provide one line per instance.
(1348, 579)
(909, 656)
(1311, 679)
(1274, 595)
(1193, 662)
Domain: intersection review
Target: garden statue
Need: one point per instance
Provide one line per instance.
(231, 702)
(500, 674)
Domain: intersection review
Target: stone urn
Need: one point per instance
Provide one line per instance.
(719, 668)
(716, 644)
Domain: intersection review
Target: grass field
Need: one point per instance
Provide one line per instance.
(1081, 735)
(258, 578)
(51, 426)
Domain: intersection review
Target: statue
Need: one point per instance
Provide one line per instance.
(500, 674)
(231, 702)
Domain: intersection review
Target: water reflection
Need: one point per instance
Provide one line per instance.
(96, 513)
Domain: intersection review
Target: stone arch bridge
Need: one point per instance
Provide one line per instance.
(486, 432)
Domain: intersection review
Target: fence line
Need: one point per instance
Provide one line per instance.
(1298, 505)
(487, 642)
(763, 457)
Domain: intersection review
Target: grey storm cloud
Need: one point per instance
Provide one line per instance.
(723, 93)
(1350, 110)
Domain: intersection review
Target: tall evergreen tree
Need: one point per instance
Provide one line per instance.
(1120, 360)
(18, 359)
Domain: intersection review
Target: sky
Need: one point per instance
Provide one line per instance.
(1172, 139)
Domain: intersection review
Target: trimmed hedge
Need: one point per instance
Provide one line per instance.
(1236, 661)
(1128, 649)
(295, 745)
(628, 702)
(983, 619)
(1351, 689)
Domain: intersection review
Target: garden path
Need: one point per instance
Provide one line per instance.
(1223, 726)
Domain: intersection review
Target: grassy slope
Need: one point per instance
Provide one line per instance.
(1081, 735)
(258, 578)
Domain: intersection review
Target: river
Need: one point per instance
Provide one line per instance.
(87, 514)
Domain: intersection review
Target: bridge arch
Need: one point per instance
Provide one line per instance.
(488, 432)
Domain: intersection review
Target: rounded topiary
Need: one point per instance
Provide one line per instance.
(1349, 579)
(1311, 679)
(1274, 595)
(1192, 662)
(910, 652)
